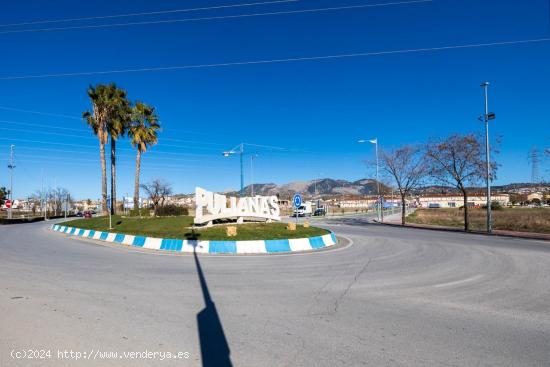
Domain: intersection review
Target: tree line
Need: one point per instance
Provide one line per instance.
(457, 160)
(112, 117)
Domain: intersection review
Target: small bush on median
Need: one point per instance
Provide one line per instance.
(143, 212)
(172, 210)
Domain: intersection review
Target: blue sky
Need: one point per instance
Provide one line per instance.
(316, 110)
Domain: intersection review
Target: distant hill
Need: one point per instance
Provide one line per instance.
(328, 187)
(325, 187)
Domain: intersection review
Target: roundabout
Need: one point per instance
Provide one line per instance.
(262, 238)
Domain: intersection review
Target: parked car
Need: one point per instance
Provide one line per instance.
(320, 212)
(79, 214)
(87, 214)
(434, 206)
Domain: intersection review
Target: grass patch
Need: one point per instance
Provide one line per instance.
(510, 219)
(178, 227)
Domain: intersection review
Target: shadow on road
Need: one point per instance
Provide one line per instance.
(214, 348)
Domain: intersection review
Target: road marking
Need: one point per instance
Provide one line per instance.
(470, 279)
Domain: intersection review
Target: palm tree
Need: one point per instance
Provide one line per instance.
(106, 99)
(143, 132)
(117, 126)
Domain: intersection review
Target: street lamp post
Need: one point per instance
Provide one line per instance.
(11, 166)
(66, 205)
(379, 213)
(485, 118)
(238, 149)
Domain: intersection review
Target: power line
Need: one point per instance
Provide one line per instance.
(10, 122)
(22, 123)
(57, 143)
(35, 158)
(275, 61)
(264, 146)
(50, 133)
(160, 12)
(151, 153)
(39, 113)
(72, 117)
(93, 138)
(286, 12)
(86, 131)
(65, 158)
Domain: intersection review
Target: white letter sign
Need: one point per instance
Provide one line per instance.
(211, 206)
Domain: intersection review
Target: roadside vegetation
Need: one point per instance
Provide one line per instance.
(509, 219)
(179, 227)
(457, 161)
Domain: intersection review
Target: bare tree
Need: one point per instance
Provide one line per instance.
(157, 191)
(3, 194)
(407, 167)
(458, 160)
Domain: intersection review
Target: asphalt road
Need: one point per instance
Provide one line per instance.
(395, 297)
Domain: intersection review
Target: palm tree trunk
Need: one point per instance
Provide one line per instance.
(136, 183)
(113, 176)
(103, 178)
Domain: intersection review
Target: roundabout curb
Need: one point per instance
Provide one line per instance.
(205, 247)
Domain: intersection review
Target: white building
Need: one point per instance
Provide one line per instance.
(456, 201)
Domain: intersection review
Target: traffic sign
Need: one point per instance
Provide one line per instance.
(8, 203)
(297, 201)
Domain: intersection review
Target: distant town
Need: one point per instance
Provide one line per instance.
(336, 195)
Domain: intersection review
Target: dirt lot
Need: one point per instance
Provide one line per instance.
(510, 219)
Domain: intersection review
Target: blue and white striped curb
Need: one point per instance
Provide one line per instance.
(207, 247)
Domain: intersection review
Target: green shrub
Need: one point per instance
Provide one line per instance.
(495, 205)
(172, 210)
(143, 212)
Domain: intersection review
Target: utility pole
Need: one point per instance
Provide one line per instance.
(486, 117)
(42, 197)
(380, 200)
(379, 212)
(534, 160)
(11, 166)
(252, 157)
(240, 150)
(242, 173)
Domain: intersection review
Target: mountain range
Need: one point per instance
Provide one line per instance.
(328, 187)
(322, 187)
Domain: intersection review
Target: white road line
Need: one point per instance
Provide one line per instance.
(470, 279)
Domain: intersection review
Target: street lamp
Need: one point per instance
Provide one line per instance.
(11, 166)
(374, 141)
(240, 150)
(485, 118)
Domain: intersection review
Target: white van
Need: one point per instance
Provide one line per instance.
(305, 210)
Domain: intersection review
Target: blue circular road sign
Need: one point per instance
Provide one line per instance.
(297, 200)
